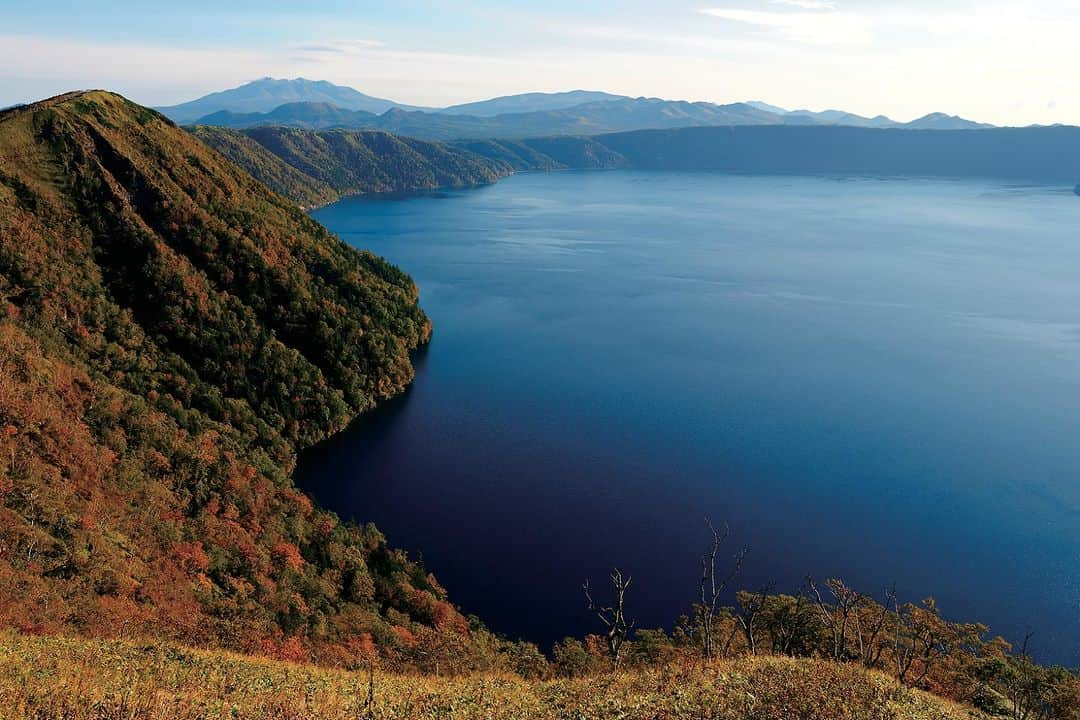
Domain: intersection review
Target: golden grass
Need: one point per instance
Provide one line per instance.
(75, 679)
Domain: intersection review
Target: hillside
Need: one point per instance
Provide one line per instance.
(267, 167)
(171, 334)
(306, 115)
(312, 168)
(87, 680)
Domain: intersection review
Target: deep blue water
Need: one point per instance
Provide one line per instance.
(872, 379)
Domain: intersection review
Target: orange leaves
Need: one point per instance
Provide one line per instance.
(298, 502)
(208, 447)
(290, 650)
(155, 420)
(191, 557)
(447, 619)
(364, 647)
(404, 636)
(288, 554)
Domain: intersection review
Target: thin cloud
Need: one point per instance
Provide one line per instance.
(824, 27)
(339, 47)
(807, 4)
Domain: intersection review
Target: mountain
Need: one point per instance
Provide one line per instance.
(318, 105)
(941, 121)
(530, 102)
(933, 121)
(313, 168)
(591, 118)
(268, 93)
(774, 109)
(172, 333)
(839, 117)
(309, 115)
(268, 168)
(587, 119)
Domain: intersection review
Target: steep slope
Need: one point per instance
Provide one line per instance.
(171, 333)
(303, 164)
(265, 166)
(549, 153)
(268, 93)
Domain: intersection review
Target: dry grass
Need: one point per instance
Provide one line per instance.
(75, 679)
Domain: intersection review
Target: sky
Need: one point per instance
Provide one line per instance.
(1008, 62)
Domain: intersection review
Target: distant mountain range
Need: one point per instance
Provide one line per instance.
(933, 121)
(530, 102)
(268, 93)
(586, 119)
(319, 105)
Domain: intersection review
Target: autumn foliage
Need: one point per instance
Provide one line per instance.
(172, 334)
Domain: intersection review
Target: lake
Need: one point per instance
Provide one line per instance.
(871, 379)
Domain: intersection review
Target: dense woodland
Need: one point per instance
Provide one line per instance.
(172, 333)
(314, 168)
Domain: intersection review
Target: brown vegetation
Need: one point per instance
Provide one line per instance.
(90, 680)
(171, 334)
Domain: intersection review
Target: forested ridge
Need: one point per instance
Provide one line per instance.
(316, 167)
(171, 334)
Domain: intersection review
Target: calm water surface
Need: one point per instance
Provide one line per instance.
(873, 379)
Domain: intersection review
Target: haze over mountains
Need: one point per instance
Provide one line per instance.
(268, 93)
(320, 105)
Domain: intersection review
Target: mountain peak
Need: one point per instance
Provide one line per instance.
(268, 93)
(944, 121)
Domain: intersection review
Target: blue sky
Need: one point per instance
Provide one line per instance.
(999, 61)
